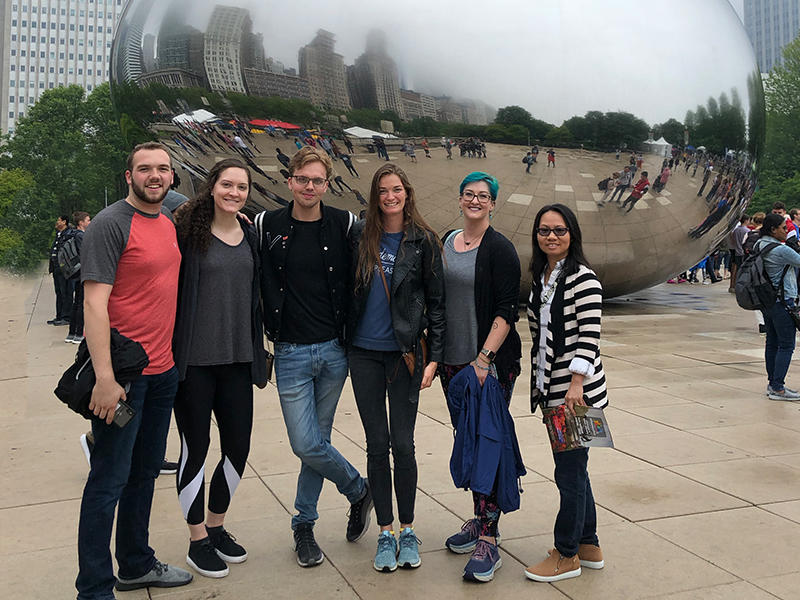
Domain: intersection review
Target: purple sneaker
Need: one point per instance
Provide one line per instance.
(464, 541)
(484, 562)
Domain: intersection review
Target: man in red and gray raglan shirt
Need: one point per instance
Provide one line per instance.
(129, 266)
(639, 190)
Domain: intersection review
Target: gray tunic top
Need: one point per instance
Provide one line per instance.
(223, 330)
(461, 334)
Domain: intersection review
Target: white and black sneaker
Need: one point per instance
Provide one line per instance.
(225, 545)
(306, 547)
(204, 559)
(87, 445)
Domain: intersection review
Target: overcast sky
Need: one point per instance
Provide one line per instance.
(555, 58)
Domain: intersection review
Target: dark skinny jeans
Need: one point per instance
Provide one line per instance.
(374, 374)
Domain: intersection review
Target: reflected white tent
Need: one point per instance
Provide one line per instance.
(661, 147)
(196, 116)
(362, 133)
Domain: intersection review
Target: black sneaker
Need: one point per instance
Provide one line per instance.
(308, 552)
(225, 545)
(358, 516)
(204, 559)
(168, 467)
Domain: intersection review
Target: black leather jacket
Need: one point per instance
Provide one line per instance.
(417, 295)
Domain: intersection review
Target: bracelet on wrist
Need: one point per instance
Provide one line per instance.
(483, 359)
(475, 362)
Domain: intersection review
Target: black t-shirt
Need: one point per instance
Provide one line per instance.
(308, 315)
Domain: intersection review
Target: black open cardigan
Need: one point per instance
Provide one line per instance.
(497, 279)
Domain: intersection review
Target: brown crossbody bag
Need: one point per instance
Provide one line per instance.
(409, 357)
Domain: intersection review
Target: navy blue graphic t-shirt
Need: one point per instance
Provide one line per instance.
(374, 331)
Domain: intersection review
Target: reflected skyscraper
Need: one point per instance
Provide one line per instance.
(376, 77)
(324, 70)
(227, 48)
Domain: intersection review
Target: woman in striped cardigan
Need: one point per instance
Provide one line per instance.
(564, 315)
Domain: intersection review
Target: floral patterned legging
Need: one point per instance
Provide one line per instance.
(487, 510)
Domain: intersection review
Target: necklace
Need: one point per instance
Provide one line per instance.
(464, 237)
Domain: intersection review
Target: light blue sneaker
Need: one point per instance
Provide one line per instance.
(386, 556)
(408, 557)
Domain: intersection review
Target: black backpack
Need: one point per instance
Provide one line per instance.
(754, 290)
(603, 185)
(69, 258)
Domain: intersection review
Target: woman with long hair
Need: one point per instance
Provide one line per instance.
(779, 259)
(482, 278)
(219, 351)
(564, 311)
(398, 296)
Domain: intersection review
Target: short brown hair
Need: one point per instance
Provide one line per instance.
(306, 156)
(147, 146)
(79, 216)
(758, 218)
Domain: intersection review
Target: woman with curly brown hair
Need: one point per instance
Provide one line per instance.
(399, 294)
(219, 352)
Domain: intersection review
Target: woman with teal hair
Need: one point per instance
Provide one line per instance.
(482, 276)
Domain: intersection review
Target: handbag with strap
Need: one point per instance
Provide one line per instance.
(409, 357)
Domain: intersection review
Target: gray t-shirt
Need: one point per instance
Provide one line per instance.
(461, 334)
(222, 332)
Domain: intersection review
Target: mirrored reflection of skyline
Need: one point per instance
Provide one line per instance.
(527, 55)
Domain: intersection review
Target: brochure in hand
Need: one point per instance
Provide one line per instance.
(588, 427)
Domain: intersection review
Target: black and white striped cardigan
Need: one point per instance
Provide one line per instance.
(573, 333)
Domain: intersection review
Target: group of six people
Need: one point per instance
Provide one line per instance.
(383, 299)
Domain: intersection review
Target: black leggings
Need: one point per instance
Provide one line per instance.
(374, 373)
(76, 315)
(340, 182)
(226, 390)
(351, 168)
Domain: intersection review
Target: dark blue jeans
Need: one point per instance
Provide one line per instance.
(125, 463)
(780, 343)
(576, 522)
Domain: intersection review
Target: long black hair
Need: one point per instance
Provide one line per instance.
(575, 257)
(193, 218)
(771, 221)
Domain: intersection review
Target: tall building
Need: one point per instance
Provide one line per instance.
(325, 72)
(771, 24)
(228, 48)
(46, 44)
(149, 53)
(416, 106)
(267, 83)
(181, 47)
(128, 55)
(376, 76)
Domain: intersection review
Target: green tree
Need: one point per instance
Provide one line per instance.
(560, 137)
(779, 178)
(72, 153)
(671, 130)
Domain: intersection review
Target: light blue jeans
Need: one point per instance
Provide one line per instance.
(310, 379)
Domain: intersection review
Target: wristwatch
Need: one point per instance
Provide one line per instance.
(488, 354)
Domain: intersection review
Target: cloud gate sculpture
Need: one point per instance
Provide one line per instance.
(604, 85)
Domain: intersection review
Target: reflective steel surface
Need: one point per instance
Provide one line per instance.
(593, 78)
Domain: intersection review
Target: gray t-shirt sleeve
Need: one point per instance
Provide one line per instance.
(104, 242)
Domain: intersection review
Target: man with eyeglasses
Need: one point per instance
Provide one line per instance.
(306, 285)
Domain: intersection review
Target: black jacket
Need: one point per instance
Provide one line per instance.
(58, 243)
(275, 238)
(188, 283)
(497, 277)
(417, 296)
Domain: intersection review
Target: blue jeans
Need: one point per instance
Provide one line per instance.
(780, 343)
(310, 379)
(620, 189)
(125, 463)
(576, 522)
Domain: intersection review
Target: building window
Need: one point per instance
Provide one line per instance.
(31, 99)
(13, 52)
(62, 26)
(71, 71)
(41, 85)
(12, 83)
(52, 40)
(50, 86)
(13, 67)
(60, 70)
(10, 116)
(89, 87)
(13, 37)
(22, 52)
(61, 55)
(52, 69)
(13, 22)
(80, 71)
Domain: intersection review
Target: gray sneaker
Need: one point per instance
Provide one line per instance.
(770, 390)
(785, 394)
(160, 575)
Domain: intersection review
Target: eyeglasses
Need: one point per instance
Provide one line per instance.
(559, 231)
(302, 181)
(483, 197)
